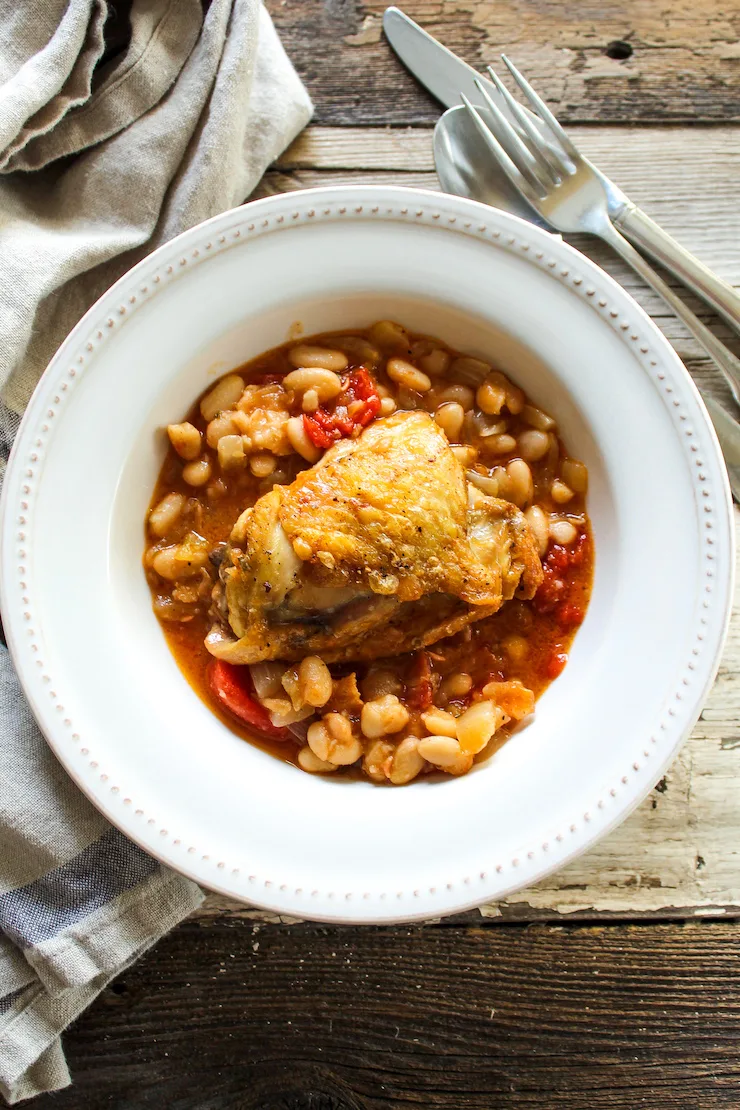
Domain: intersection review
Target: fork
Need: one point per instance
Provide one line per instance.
(563, 187)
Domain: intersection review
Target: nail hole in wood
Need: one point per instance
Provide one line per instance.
(619, 50)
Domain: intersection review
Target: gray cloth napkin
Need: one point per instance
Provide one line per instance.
(119, 128)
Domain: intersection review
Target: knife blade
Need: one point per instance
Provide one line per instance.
(446, 76)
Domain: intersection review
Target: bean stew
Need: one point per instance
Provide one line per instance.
(438, 709)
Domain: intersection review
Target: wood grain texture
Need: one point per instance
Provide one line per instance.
(684, 62)
(456, 1017)
(686, 179)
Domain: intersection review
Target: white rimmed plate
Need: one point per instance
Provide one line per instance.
(94, 663)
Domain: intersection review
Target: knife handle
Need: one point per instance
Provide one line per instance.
(649, 237)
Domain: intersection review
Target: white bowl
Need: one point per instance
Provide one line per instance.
(97, 671)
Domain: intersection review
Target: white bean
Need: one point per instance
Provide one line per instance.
(231, 452)
(197, 473)
(536, 418)
(438, 722)
(383, 716)
(563, 532)
(305, 356)
(324, 383)
(332, 739)
(407, 761)
(386, 333)
(477, 725)
(461, 766)
(450, 417)
(166, 513)
(300, 442)
(459, 394)
(262, 464)
(520, 484)
(185, 438)
(435, 363)
(314, 681)
(539, 526)
(575, 475)
(387, 406)
(514, 399)
(560, 493)
(221, 425)
(403, 373)
(179, 561)
(500, 444)
(491, 395)
(377, 760)
(533, 445)
(224, 395)
(360, 351)
(457, 685)
(307, 761)
(516, 647)
(442, 751)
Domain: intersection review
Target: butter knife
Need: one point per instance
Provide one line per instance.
(446, 76)
(728, 434)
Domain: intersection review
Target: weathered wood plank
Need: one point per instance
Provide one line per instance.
(686, 179)
(682, 64)
(249, 1019)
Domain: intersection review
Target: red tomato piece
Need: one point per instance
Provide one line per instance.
(550, 592)
(361, 385)
(315, 431)
(234, 690)
(326, 426)
(555, 664)
(558, 557)
(562, 558)
(569, 615)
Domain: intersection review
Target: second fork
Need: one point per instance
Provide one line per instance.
(562, 186)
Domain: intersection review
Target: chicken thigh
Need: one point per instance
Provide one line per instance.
(380, 548)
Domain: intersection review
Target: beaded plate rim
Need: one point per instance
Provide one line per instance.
(76, 358)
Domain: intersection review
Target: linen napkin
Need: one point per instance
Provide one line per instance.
(120, 126)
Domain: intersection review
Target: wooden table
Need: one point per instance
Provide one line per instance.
(614, 983)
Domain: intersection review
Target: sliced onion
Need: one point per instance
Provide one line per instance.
(267, 679)
(299, 729)
(282, 712)
(483, 482)
(480, 424)
(469, 371)
(224, 645)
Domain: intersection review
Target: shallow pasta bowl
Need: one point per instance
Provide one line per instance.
(91, 655)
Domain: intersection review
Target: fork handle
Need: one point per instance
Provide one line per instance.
(648, 236)
(715, 348)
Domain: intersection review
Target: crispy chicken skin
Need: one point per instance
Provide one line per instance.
(380, 548)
